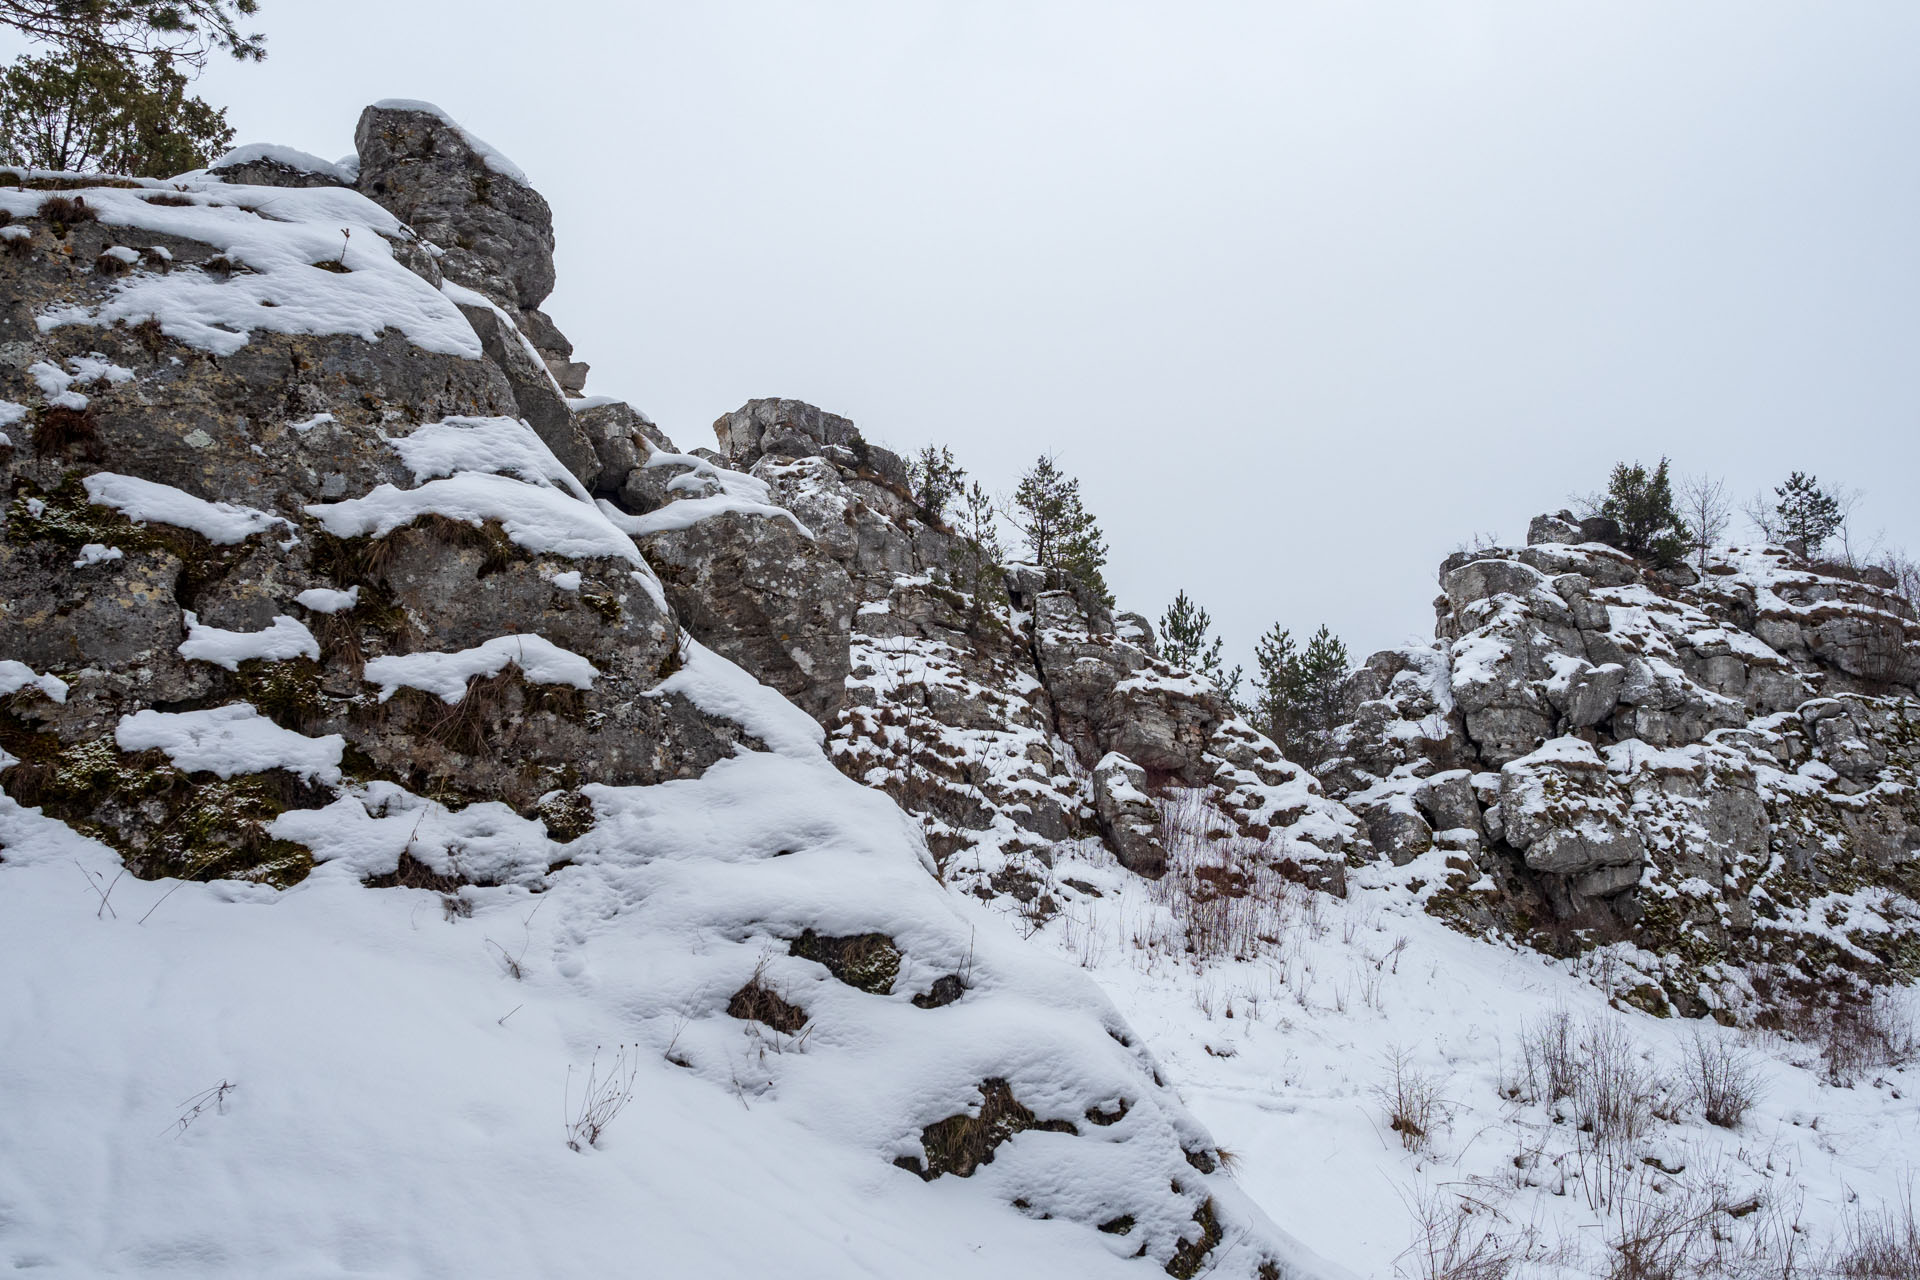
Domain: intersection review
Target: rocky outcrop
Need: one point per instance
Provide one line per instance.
(1596, 748)
(494, 231)
(758, 591)
(1128, 816)
(316, 568)
(1019, 721)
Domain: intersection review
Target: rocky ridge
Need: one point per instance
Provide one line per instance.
(319, 566)
(1715, 770)
(338, 492)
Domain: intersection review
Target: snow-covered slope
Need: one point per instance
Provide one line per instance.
(390, 885)
(235, 1080)
(1300, 1024)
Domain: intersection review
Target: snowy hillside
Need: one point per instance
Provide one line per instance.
(395, 885)
(452, 830)
(1302, 1025)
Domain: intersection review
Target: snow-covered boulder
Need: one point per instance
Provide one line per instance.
(495, 232)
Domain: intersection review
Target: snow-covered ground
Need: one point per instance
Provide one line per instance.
(1288, 1052)
(542, 1077)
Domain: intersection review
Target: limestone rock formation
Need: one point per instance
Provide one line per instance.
(1704, 764)
(495, 232)
(318, 570)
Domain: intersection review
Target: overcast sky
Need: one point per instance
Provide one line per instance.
(1307, 294)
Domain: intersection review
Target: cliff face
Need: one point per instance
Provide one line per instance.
(1717, 769)
(320, 575)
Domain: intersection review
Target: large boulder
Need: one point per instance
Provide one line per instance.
(1128, 815)
(757, 590)
(783, 428)
(495, 230)
(1559, 807)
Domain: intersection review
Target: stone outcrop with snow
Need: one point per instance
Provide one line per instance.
(323, 576)
(322, 580)
(1718, 767)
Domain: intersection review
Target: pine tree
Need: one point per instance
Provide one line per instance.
(1060, 532)
(1298, 691)
(104, 113)
(1807, 512)
(187, 32)
(936, 481)
(977, 559)
(1641, 503)
(111, 94)
(1185, 643)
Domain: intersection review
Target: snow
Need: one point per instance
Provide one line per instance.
(535, 518)
(143, 501)
(328, 599)
(539, 503)
(504, 446)
(121, 254)
(711, 491)
(300, 160)
(56, 383)
(16, 675)
(400, 1072)
(11, 413)
(284, 638)
(445, 675)
(462, 296)
(231, 740)
(277, 288)
(491, 155)
(434, 1147)
(1282, 1052)
(688, 512)
(720, 688)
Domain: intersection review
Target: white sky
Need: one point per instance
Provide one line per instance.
(1307, 294)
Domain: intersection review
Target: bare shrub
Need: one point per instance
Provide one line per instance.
(1883, 1244)
(1722, 1078)
(603, 1098)
(1653, 1237)
(1661, 1228)
(1225, 892)
(1616, 1093)
(1611, 1094)
(1874, 1034)
(1457, 1238)
(211, 1099)
(759, 1001)
(1549, 1059)
(1411, 1098)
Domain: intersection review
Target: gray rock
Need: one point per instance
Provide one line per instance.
(554, 350)
(277, 170)
(1396, 830)
(783, 428)
(1482, 579)
(1559, 527)
(757, 591)
(1560, 808)
(621, 439)
(497, 234)
(535, 396)
(1592, 693)
(1448, 801)
(1128, 815)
